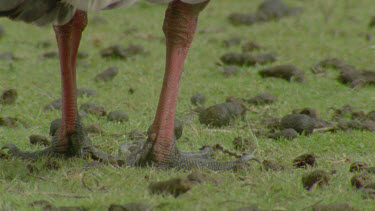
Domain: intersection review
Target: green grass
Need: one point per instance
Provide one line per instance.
(302, 41)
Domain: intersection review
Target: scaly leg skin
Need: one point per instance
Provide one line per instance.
(128, 151)
(72, 138)
(179, 26)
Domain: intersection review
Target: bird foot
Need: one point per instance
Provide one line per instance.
(77, 144)
(138, 153)
(142, 154)
(248, 157)
(14, 151)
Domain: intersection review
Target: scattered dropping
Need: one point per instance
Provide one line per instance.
(54, 127)
(287, 72)
(39, 140)
(117, 116)
(263, 99)
(221, 114)
(368, 125)
(11, 122)
(299, 122)
(179, 185)
(242, 144)
(370, 25)
(358, 166)
(131, 90)
(334, 63)
(235, 100)
(86, 92)
(319, 177)
(93, 108)
(269, 165)
(305, 160)
(120, 52)
(267, 11)
(312, 113)
(94, 129)
(271, 122)
(3, 155)
(107, 74)
(50, 55)
(357, 78)
(251, 46)
(245, 59)
(288, 134)
(8, 97)
(44, 44)
(54, 105)
(346, 109)
(358, 115)
(230, 70)
(198, 99)
(361, 180)
(82, 55)
(178, 128)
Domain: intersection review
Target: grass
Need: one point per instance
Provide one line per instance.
(302, 41)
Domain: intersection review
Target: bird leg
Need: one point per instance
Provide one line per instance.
(70, 133)
(179, 27)
(71, 139)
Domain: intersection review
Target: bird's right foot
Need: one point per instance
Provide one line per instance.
(73, 144)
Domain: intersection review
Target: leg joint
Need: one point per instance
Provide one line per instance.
(77, 23)
(180, 22)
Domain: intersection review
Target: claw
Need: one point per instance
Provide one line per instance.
(204, 153)
(12, 149)
(247, 157)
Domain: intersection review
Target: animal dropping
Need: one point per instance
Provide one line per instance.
(221, 114)
(8, 97)
(287, 72)
(319, 177)
(117, 116)
(107, 74)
